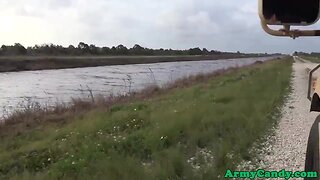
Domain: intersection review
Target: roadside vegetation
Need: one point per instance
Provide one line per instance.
(314, 59)
(195, 128)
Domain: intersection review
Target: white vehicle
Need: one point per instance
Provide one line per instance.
(288, 13)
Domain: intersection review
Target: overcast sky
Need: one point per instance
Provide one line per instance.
(225, 25)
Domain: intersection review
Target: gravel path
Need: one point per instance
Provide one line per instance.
(287, 148)
(288, 151)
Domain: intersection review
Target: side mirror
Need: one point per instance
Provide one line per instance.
(289, 13)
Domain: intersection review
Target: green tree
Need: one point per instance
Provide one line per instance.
(122, 50)
(84, 48)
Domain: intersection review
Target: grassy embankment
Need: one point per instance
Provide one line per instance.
(190, 131)
(25, 63)
(314, 59)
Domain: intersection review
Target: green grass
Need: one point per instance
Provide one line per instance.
(194, 132)
(314, 59)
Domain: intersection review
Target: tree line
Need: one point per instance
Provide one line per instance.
(306, 54)
(85, 49)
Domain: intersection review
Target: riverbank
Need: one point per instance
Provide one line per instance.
(28, 63)
(314, 59)
(196, 128)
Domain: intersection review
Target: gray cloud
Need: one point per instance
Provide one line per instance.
(223, 25)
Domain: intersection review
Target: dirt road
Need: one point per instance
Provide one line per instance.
(287, 148)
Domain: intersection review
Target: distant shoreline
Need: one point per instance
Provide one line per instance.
(31, 63)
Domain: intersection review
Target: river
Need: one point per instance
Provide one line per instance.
(51, 86)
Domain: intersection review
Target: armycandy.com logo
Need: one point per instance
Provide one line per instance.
(269, 174)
